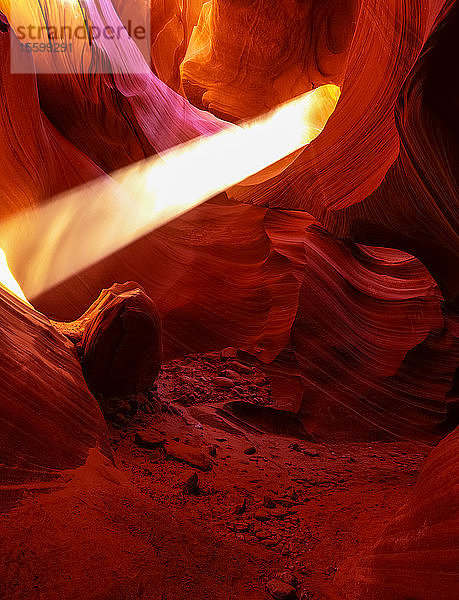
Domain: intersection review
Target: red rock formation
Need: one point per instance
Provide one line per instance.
(359, 338)
(244, 58)
(126, 117)
(49, 421)
(414, 208)
(214, 275)
(234, 275)
(119, 340)
(416, 556)
(376, 354)
(37, 161)
(171, 28)
(355, 325)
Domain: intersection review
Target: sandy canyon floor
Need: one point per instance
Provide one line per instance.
(263, 503)
(204, 504)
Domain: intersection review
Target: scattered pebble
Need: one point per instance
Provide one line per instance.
(150, 439)
(268, 502)
(280, 590)
(250, 450)
(192, 485)
(223, 382)
(240, 508)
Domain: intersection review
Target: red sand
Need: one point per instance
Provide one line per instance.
(148, 539)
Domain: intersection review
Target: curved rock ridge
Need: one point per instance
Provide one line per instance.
(214, 274)
(115, 117)
(376, 353)
(49, 421)
(416, 207)
(37, 161)
(416, 556)
(244, 58)
(355, 338)
(393, 107)
(172, 25)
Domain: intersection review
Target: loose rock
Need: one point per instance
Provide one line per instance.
(241, 368)
(228, 353)
(241, 527)
(223, 382)
(150, 439)
(279, 512)
(262, 515)
(213, 451)
(241, 508)
(287, 577)
(270, 542)
(120, 342)
(230, 374)
(268, 502)
(263, 534)
(188, 454)
(280, 590)
(192, 485)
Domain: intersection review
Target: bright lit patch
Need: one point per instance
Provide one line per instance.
(89, 223)
(7, 279)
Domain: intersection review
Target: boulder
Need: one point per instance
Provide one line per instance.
(119, 339)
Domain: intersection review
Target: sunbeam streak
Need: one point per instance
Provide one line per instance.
(79, 228)
(7, 279)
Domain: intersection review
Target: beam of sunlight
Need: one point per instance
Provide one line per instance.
(77, 229)
(7, 279)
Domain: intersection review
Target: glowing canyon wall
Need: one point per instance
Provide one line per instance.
(336, 272)
(259, 274)
(250, 276)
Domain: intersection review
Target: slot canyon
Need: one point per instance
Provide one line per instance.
(229, 300)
